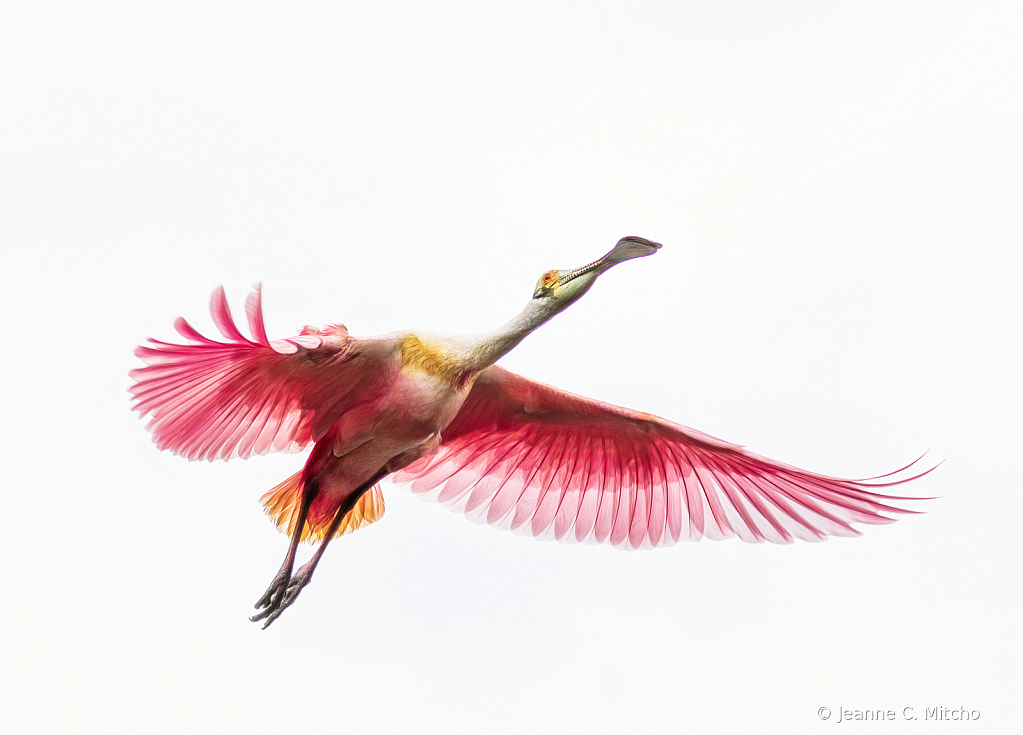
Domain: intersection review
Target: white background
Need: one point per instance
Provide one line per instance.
(838, 190)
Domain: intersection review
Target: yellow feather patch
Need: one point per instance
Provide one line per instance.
(428, 359)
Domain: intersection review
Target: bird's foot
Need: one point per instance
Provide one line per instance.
(275, 591)
(283, 591)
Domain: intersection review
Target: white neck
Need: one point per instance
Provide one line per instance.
(483, 350)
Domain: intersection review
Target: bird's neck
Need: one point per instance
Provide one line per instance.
(483, 350)
(501, 341)
(459, 359)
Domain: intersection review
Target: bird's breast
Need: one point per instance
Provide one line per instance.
(404, 421)
(398, 426)
(424, 402)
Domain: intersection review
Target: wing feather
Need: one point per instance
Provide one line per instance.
(658, 497)
(560, 478)
(610, 495)
(538, 460)
(589, 497)
(572, 495)
(217, 400)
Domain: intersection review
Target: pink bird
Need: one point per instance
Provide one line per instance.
(438, 413)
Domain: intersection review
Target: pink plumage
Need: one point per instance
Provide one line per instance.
(216, 400)
(535, 459)
(438, 413)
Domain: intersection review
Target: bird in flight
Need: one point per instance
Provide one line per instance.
(438, 413)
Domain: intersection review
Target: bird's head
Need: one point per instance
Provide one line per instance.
(561, 288)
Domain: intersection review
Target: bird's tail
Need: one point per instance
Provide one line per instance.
(283, 502)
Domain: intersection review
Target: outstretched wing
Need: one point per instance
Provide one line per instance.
(217, 400)
(529, 457)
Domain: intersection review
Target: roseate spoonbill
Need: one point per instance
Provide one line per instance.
(437, 412)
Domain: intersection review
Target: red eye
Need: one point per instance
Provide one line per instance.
(546, 277)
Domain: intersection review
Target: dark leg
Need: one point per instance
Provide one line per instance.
(293, 587)
(275, 592)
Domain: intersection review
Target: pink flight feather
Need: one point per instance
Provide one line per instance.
(216, 400)
(540, 460)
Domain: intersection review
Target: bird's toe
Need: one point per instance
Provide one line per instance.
(271, 598)
(282, 603)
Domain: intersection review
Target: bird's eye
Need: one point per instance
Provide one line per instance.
(547, 277)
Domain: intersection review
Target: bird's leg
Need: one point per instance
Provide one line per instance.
(305, 572)
(271, 599)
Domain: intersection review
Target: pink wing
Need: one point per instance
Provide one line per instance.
(529, 457)
(216, 400)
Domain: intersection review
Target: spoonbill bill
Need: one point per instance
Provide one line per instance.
(437, 412)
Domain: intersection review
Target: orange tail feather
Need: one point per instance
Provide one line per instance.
(282, 505)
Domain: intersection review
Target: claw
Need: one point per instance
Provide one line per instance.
(283, 591)
(270, 610)
(277, 587)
